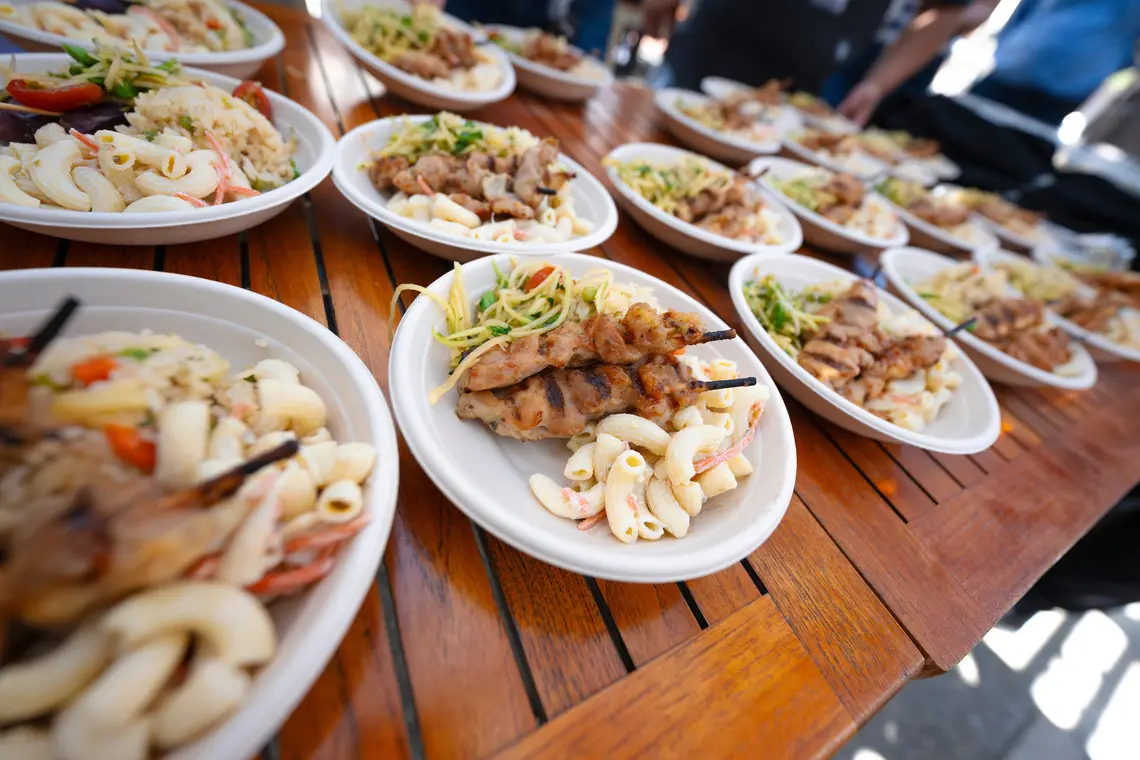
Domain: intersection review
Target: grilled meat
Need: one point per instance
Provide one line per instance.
(1045, 349)
(846, 193)
(851, 355)
(843, 347)
(1126, 283)
(939, 212)
(551, 51)
(1093, 314)
(503, 185)
(642, 332)
(1002, 318)
(819, 139)
(450, 49)
(559, 403)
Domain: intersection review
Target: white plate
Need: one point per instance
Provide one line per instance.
(969, 422)
(710, 142)
(687, 237)
(927, 235)
(314, 158)
(550, 82)
(486, 475)
(719, 87)
(872, 169)
(417, 89)
(926, 171)
(591, 201)
(310, 625)
(1100, 347)
(1041, 237)
(903, 266)
(818, 230)
(268, 41)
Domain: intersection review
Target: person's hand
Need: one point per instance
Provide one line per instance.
(657, 17)
(861, 102)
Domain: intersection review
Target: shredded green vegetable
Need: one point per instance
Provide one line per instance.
(785, 315)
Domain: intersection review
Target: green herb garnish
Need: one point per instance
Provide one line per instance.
(186, 123)
(137, 353)
(498, 330)
(80, 55)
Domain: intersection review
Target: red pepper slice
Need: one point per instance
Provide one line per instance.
(537, 278)
(252, 93)
(58, 99)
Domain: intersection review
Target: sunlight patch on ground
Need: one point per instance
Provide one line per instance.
(1073, 678)
(867, 754)
(1132, 611)
(1115, 735)
(1018, 648)
(968, 671)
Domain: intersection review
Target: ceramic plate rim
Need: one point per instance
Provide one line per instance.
(691, 230)
(483, 510)
(1077, 383)
(347, 148)
(944, 237)
(812, 156)
(980, 441)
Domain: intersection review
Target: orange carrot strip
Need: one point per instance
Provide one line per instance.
(84, 139)
(753, 420)
(287, 581)
(129, 445)
(195, 202)
(334, 534)
(93, 370)
(590, 522)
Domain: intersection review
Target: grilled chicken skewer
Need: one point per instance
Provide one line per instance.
(1017, 327)
(642, 333)
(558, 403)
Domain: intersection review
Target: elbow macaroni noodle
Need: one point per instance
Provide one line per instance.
(650, 481)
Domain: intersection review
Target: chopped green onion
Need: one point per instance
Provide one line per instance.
(186, 123)
(125, 90)
(137, 353)
(488, 300)
(293, 166)
(80, 55)
(498, 330)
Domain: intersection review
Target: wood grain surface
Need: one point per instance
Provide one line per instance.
(890, 563)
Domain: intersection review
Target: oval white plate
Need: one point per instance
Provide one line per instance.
(268, 41)
(1041, 239)
(230, 320)
(925, 234)
(874, 168)
(902, 266)
(687, 237)
(550, 82)
(710, 142)
(969, 422)
(314, 157)
(409, 86)
(818, 230)
(591, 201)
(1100, 347)
(486, 475)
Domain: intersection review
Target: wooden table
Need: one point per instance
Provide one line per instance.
(890, 563)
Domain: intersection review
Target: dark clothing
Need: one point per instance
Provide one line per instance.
(753, 41)
(1032, 102)
(1005, 160)
(588, 25)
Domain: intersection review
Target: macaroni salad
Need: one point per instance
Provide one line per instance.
(645, 480)
(184, 145)
(172, 502)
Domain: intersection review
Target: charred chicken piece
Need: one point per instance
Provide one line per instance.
(641, 333)
(558, 403)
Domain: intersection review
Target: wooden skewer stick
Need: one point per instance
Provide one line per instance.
(716, 385)
(714, 335)
(27, 109)
(959, 328)
(44, 335)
